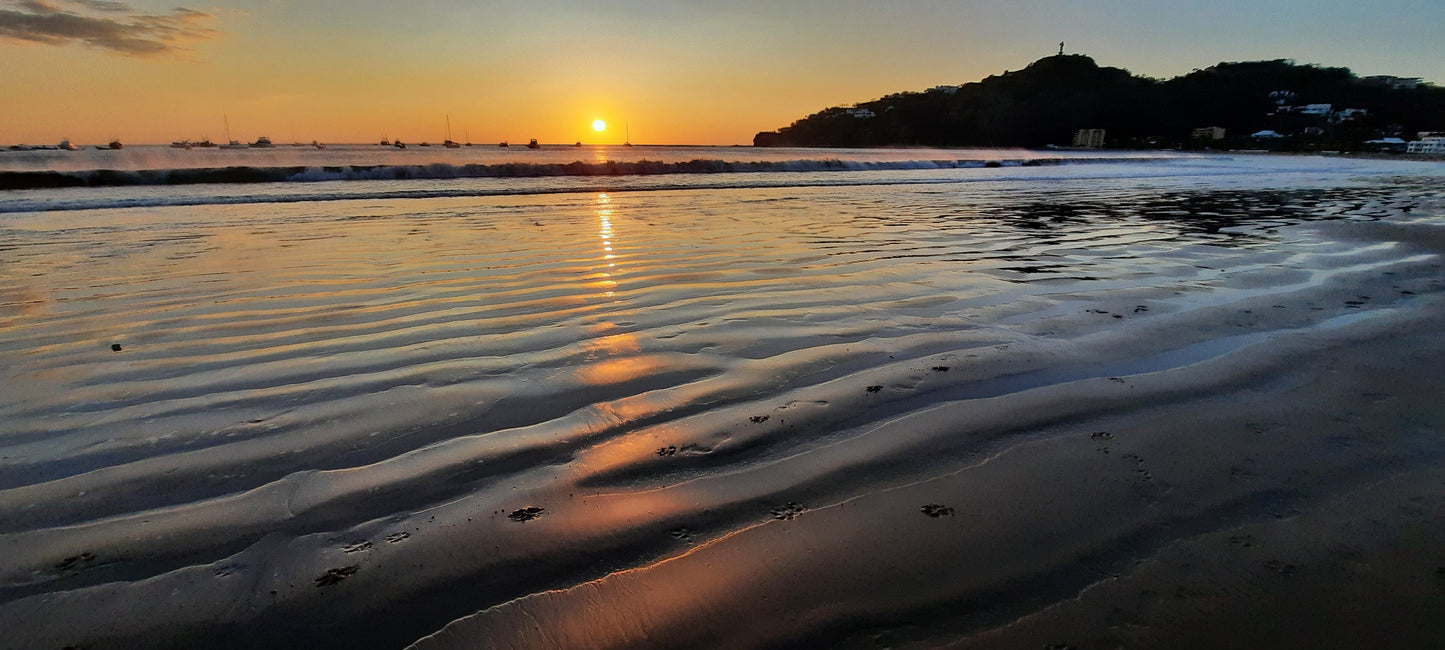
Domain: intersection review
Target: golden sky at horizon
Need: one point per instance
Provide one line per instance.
(676, 73)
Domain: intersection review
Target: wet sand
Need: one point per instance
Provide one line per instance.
(1174, 413)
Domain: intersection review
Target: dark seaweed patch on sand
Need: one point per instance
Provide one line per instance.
(526, 514)
(788, 510)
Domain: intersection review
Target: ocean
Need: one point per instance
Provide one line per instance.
(606, 396)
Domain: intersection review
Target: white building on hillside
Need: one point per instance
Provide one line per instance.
(1208, 133)
(1434, 145)
(1089, 138)
(1348, 114)
(1397, 83)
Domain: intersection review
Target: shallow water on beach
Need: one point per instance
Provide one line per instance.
(247, 411)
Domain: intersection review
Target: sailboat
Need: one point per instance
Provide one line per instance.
(628, 141)
(449, 143)
(231, 144)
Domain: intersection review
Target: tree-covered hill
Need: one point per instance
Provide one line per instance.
(1047, 101)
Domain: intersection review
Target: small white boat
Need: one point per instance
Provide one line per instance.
(230, 144)
(262, 142)
(533, 144)
(449, 142)
(65, 144)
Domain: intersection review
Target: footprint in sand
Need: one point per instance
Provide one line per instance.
(335, 576)
(1281, 568)
(936, 510)
(759, 419)
(694, 449)
(397, 537)
(874, 389)
(1139, 471)
(681, 534)
(669, 450)
(357, 547)
(76, 563)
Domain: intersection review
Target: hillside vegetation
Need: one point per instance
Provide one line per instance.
(1046, 102)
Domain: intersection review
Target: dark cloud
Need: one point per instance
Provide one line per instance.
(104, 5)
(104, 24)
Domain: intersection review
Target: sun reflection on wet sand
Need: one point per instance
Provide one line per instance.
(614, 356)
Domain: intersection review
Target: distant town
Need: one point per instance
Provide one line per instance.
(1068, 101)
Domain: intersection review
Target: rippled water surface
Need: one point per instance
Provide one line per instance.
(221, 405)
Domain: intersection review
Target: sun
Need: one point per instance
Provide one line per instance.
(599, 125)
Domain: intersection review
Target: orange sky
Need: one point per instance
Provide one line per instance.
(677, 72)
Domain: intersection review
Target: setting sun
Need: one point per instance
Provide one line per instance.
(599, 125)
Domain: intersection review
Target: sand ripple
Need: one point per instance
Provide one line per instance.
(352, 397)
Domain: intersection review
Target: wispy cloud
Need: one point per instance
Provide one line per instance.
(104, 24)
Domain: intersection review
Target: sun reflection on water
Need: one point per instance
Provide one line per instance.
(614, 357)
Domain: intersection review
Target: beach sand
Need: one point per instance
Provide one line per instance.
(1287, 495)
(792, 417)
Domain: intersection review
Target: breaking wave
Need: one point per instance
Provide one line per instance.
(24, 180)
